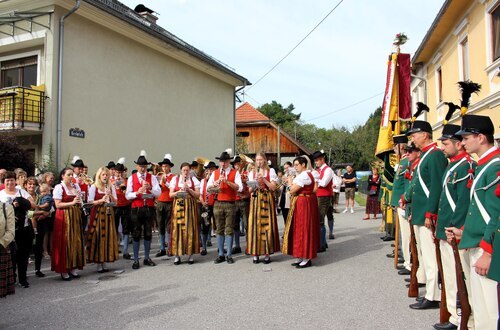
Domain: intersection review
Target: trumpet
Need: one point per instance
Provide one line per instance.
(85, 179)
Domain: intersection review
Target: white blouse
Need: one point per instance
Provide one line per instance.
(196, 182)
(302, 179)
(272, 175)
(92, 191)
(58, 191)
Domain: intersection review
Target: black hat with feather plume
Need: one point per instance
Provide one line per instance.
(419, 125)
(467, 87)
(452, 107)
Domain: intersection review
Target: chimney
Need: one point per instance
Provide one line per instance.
(147, 13)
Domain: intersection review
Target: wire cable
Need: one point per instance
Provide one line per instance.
(297, 45)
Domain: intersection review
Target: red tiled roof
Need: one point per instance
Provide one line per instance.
(247, 113)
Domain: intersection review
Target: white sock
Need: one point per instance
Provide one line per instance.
(303, 262)
(177, 258)
(99, 267)
(190, 258)
(298, 261)
(256, 258)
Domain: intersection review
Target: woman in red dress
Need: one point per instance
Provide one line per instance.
(67, 239)
(301, 238)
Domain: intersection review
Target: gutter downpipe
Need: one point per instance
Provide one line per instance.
(59, 82)
(234, 115)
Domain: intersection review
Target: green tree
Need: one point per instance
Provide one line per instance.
(12, 156)
(280, 115)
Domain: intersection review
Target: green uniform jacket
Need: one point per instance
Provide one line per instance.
(455, 189)
(480, 227)
(430, 170)
(494, 272)
(408, 191)
(398, 187)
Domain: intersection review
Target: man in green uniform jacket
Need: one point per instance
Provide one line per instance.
(481, 221)
(427, 187)
(453, 206)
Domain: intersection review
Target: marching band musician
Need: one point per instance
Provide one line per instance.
(228, 181)
(143, 209)
(122, 208)
(324, 194)
(284, 200)
(242, 204)
(263, 236)
(301, 238)
(185, 236)
(79, 178)
(112, 171)
(102, 241)
(67, 238)
(207, 200)
(164, 203)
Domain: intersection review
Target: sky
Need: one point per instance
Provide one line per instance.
(335, 77)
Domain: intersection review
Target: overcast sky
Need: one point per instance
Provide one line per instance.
(340, 64)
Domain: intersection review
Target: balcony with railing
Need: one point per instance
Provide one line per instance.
(21, 109)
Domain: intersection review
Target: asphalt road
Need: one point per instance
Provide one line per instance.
(351, 286)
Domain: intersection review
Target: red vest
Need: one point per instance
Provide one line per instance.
(138, 201)
(211, 197)
(245, 193)
(121, 200)
(324, 191)
(226, 194)
(165, 191)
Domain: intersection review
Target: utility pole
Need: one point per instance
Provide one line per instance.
(278, 158)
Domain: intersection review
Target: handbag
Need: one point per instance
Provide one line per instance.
(372, 192)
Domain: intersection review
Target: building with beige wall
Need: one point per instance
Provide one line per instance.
(462, 43)
(127, 83)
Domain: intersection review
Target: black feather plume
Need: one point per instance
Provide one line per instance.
(467, 88)
(452, 107)
(421, 107)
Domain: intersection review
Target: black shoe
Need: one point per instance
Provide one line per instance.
(295, 264)
(401, 260)
(404, 272)
(390, 255)
(127, 256)
(190, 262)
(66, 278)
(256, 261)
(331, 236)
(425, 304)
(101, 271)
(136, 264)
(399, 267)
(219, 260)
(242, 234)
(388, 238)
(407, 280)
(161, 253)
(203, 252)
(267, 260)
(236, 250)
(74, 275)
(445, 325)
(209, 243)
(308, 264)
(392, 245)
(177, 261)
(39, 274)
(149, 262)
(229, 260)
(420, 285)
(323, 249)
(24, 284)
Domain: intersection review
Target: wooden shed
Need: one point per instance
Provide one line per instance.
(259, 133)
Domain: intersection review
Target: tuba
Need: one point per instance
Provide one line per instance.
(201, 163)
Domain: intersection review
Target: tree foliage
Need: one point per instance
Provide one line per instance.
(280, 115)
(12, 156)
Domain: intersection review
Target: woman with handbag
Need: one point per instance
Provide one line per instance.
(372, 202)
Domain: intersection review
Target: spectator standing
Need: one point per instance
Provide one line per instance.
(349, 179)
(372, 202)
(336, 184)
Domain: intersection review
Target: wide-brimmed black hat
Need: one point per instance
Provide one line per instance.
(111, 165)
(120, 168)
(401, 138)
(318, 154)
(450, 132)
(224, 156)
(211, 165)
(77, 162)
(420, 126)
(167, 161)
(194, 163)
(411, 147)
(142, 159)
(475, 124)
(236, 159)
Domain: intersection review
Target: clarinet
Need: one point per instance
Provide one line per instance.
(82, 195)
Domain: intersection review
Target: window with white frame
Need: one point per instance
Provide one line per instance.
(439, 84)
(495, 32)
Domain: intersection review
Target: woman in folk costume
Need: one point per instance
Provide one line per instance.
(263, 236)
(301, 238)
(184, 232)
(102, 241)
(68, 252)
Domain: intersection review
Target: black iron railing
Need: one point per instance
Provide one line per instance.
(21, 107)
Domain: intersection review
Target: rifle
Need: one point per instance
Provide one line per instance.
(395, 220)
(463, 297)
(444, 315)
(413, 287)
